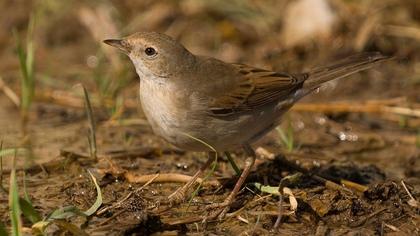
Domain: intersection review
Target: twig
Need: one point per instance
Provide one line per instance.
(279, 212)
(412, 202)
(187, 220)
(169, 177)
(402, 111)
(240, 218)
(161, 178)
(365, 31)
(9, 93)
(353, 185)
(393, 228)
(269, 213)
(402, 31)
(92, 125)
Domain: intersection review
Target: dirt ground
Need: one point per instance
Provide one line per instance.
(356, 142)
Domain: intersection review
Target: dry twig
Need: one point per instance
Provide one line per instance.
(9, 93)
(412, 202)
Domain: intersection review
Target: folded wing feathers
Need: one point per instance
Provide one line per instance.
(257, 87)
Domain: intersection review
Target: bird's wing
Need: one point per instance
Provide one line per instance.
(255, 87)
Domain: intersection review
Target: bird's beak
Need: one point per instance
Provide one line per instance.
(121, 44)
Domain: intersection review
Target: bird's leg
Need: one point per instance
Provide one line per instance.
(233, 164)
(179, 195)
(225, 205)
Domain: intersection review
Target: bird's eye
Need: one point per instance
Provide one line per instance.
(150, 51)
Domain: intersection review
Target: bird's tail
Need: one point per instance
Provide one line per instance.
(341, 68)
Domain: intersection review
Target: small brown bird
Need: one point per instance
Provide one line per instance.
(197, 102)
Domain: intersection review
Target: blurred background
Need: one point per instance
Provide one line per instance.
(281, 35)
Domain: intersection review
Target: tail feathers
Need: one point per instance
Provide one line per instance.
(342, 68)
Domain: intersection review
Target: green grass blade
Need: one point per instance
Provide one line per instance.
(287, 138)
(212, 168)
(65, 213)
(11, 151)
(98, 201)
(25, 192)
(21, 55)
(29, 211)
(233, 164)
(92, 127)
(59, 216)
(14, 206)
(267, 189)
(25, 80)
(30, 50)
(26, 60)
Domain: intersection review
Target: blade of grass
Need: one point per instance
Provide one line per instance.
(62, 213)
(212, 168)
(233, 164)
(29, 211)
(92, 127)
(25, 192)
(26, 61)
(287, 138)
(59, 216)
(11, 151)
(65, 213)
(274, 190)
(14, 206)
(98, 201)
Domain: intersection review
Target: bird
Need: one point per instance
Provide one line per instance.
(203, 104)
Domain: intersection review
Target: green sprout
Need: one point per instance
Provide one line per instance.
(287, 136)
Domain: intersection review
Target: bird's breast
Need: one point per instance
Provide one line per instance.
(168, 109)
